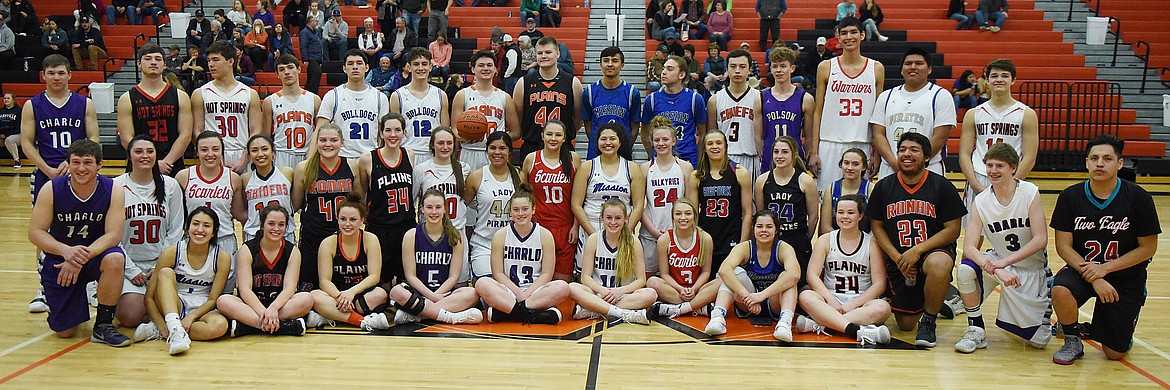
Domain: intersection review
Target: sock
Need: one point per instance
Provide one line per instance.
(851, 330)
(615, 311)
(1073, 330)
(355, 319)
(718, 311)
(785, 319)
(105, 314)
(446, 316)
(173, 322)
(685, 307)
(974, 316)
(929, 317)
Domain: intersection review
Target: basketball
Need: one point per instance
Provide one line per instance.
(472, 126)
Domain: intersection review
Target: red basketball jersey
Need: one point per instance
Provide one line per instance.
(683, 262)
(553, 191)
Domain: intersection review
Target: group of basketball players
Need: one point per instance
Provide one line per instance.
(417, 216)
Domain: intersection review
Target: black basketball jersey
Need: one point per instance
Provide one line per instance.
(156, 116)
(787, 201)
(1105, 229)
(390, 196)
(545, 100)
(722, 212)
(319, 216)
(350, 269)
(913, 214)
(268, 274)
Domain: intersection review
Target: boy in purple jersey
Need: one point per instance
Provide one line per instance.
(785, 106)
(77, 221)
(612, 100)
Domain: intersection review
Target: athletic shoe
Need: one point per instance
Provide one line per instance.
(952, 307)
(469, 316)
(375, 321)
(550, 316)
(715, 327)
(91, 293)
(667, 310)
(873, 335)
(146, 331)
(581, 313)
(984, 28)
(926, 337)
(402, 317)
(703, 311)
(1070, 351)
(783, 333)
(294, 327)
(237, 329)
(109, 335)
(38, 304)
(179, 341)
(635, 317)
(883, 38)
(495, 315)
(808, 325)
(994, 29)
(975, 338)
(16, 166)
(315, 320)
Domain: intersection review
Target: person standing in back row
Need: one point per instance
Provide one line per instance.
(156, 109)
(916, 106)
(548, 94)
(769, 12)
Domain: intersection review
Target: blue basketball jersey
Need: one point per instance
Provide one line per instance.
(57, 127)
(782, 117)
(762, 277)
(685, 110)
(79, 221)
(432, 259)
(601, 105)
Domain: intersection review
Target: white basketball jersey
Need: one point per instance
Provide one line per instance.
(150, 226)
(522, 256)
(663, 187)
(191, 281)
(422, 115)
(849, 101)
(601, 187)
(847, 275)
(293, 120)
(605, 262)
(1007, 227)
(491, 205)
(227, 113)
(357, 114)
(216, 192)
(902, 112)
(737, 120)
(492, 108)
(263, 191)
(992, 127)
(428, 175)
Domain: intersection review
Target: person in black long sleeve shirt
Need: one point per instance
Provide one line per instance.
(10, 127)
(995, 10)
(88, 44)
(198, 27)
(295, 13)
(312, 52)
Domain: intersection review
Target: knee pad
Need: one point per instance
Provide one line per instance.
(413, 305)
(364, 307)
(967, 279)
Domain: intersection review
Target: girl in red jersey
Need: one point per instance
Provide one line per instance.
(684, 253)
(551, 181)
(613, 277)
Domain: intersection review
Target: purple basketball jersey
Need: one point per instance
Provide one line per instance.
(782, 117)
(57, 127)
(432, 259)
(77, 221)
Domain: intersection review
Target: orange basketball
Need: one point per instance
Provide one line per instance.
(471, 126)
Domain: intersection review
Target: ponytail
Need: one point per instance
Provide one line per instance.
(453, 236)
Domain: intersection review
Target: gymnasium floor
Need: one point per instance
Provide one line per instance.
(574, 354)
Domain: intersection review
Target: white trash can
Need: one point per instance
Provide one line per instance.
(102, 95)
(1095, 30)
(614, 24)
(179, 21)
(1165, 110)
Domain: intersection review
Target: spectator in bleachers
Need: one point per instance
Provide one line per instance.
(245, 69)
(280, 41)
(23, 19)
(779, 43)
(565, 60)
(314, 13)
(256, 44)
(652, 8)
(217, 33)
(770, 12)
(313, 53)
(813, 59)
(412, 12)
(695, 18)
(668, 21)
(529, 9)
(327, 7)
(123, 7)
(441, 57)
(152, 8)
(193, 72)
(10, 127)
(225, 24)
(400, 40)
(846, 8)
(871, 17)
(6, 7)
(7, 44)
(834, 43)
(957, 11)
(797, 74)
(88, 45)
(88, 8)
(336, 36)
(671, 42)
(381, 76)
(755, 68)
(263, 8)
(401, 79)
(237, 39)
(550, 13)
(238, 15)
(530, 31)
(991, 11)
(197, 28)
(527, 54)
(694, 68)
(966, 90)
(174, 60)
(295, 13)
(370, 40)
(719, 25)
(54, 39)
(715, 65)
(388, 10)
(510, 70)
(436, 17)
(654, 69)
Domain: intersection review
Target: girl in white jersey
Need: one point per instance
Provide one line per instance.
(448, 176)
(684, 256)
(423, 105)
(606, 176)
(217, 187)
(266, 184)
(1010, 217)
(521, 287)
(154, 220)
(846, 278)
(853, 165)
(665, 183)
(1001, 119)
(290, 115)
(614, 277)
(488, 191)
(188, 278)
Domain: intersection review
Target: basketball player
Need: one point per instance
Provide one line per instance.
(49, 123)
(349, 289)
(737, 112)
(447, 175)
(611, 99)
(847, 86)
(488, 192)
(227, 106)
(495, 105)
(289, 113)
(544, 95)
(1011, 217)
(266, 184)
(613, 274)
(853, 164)
(549, 172)
(723, 193)
(684, 256)
(355, 107)
(795, 202)
(1001, 119)
(423, 105)
(787, 108)
(915, 216)
(607, 176)
(666, 183)
(388, 174)
(685, 108)
(915, 106)
(77, 222)
(156, 109)
(320, 184)
(216, 186)
(1106, 232)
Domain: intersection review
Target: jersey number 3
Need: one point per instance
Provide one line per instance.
(851, 107)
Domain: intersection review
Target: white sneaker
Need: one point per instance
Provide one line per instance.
(402, 317)
(873, 335)
(667, 310)
(994, 29)
(375, 321)
(91, 293)
(783, 332)
(178, 341)
(717, 326)
(315, 320)
(975, 338)
(38, 304)
(146, 331)
(808, 325)
(581, 313)
(636, 317)
(469, 316)
(883, 38)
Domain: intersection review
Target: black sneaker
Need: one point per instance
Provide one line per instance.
(109, 335)
(495, 315)
(926, 330)
(550, 316)
(291, 327)
(1084, 328)
(237, 329)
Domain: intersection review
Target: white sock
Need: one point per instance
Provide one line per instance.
(615, 311)
(173, 321)
(718, 311)
(446, 316)
(785, 318)
(685, 307)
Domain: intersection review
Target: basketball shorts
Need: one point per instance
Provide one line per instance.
(747, 162)
(908, 300)
(802, 245)
(481, 262)
(228, 244)
(1024, 311)
(68, 305)
(475, 159)
(886, 170)
(132, 270)
(566, 253)
(969, 195)
(390, 239)
(308, 246)
(650, 252)
(830, 154)
(286, 158)
(1113, 323)
(420, 156)
(231, 156)
(765, 307)
(189, 302)
(39, 179)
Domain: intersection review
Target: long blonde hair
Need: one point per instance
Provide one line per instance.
(625, 245)
(703, 251)
(453, 236)
(313, 163)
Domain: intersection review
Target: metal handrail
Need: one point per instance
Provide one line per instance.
(158, 33)
(1116, 39)
(1095, 11)
(106, 73)
(1162, 72)
(137, 75)
(1145, 61)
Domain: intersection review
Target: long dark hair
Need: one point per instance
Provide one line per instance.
(512, 170)
(565, 153)
(962, 82)
(264, 213)
(214, 223)
(160, 188)
(456, 167)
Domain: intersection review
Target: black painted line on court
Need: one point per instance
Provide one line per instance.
(594, 357)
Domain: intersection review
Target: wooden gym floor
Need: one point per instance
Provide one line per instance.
(574, 354)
